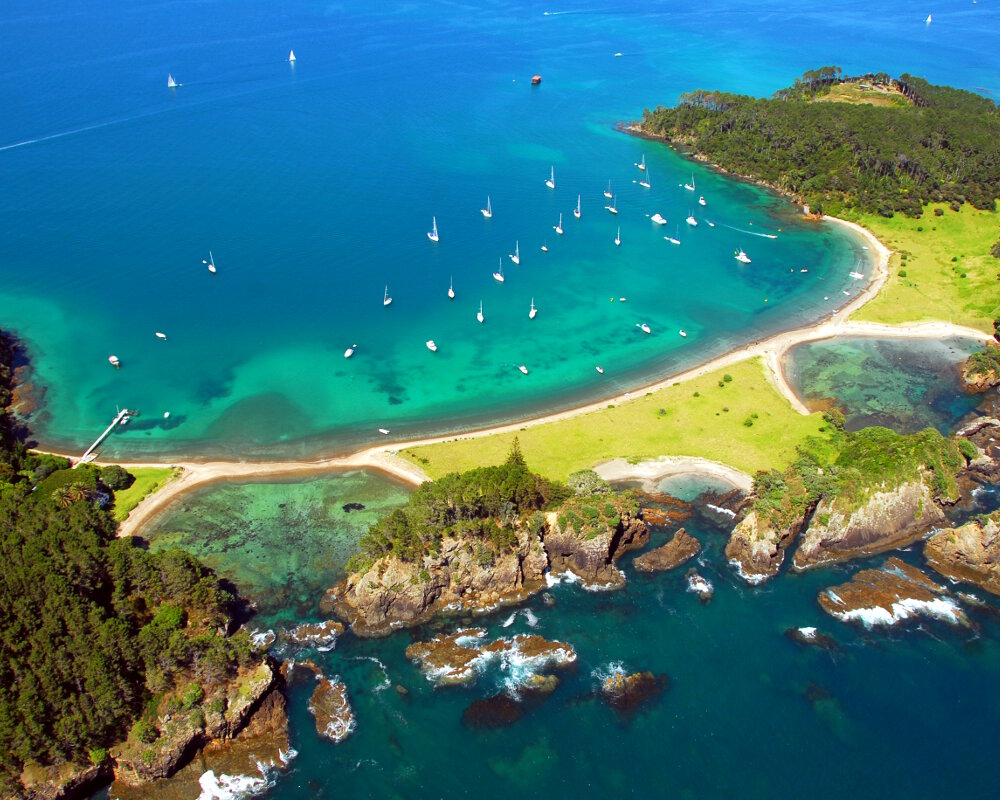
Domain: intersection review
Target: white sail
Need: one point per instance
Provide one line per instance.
(291, 56)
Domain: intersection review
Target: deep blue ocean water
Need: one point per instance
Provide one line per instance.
(314, 185)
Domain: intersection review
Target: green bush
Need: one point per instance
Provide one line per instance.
(116, 477)
(967, 449)
(143, 732)
(192, 696)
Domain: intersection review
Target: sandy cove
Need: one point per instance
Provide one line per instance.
(383, 457)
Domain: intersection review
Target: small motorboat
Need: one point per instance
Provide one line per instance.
(523, 369)
(683, 332)
(545, 248)
(114, 362)
(350, 351)
(600, 370)
(384, 431)
(160, 335)
(658, 218)
(431, 345)
(701, 201)
(642, 326)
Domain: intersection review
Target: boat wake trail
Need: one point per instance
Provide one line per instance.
(752, 233)
(74, 131)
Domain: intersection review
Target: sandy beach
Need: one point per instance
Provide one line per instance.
(384, 457)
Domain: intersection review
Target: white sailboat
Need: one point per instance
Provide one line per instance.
(350, 351)
(480, 316)
(613, 208)
(618, 237)
(691, 220)
(928, 20)
(701, 201)
(516, 255)
(690, 186)
(742, 257)
(210, 263)
(171, 83)
(431, 346)
(559, 228)
(576, 211)
(498, 275)
(673, 239)
(551, 182)
(433, 233)
(451, 289)
(386, 300)
(642, 164)
(645, 180)
(545, 247)
(533, 311)
(607, 192)
(488, 211)
(291, 56)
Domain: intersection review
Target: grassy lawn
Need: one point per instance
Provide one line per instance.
(147, 481)
(949, 272)
(853, 93)
(670, 422)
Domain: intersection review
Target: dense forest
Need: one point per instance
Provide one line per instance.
(889, 145)
(484, 504)
(92, 628)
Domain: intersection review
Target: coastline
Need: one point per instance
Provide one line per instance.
(384, 458)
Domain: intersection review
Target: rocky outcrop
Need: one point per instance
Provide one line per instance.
(699, 585)
(757, 549)
(181, 734)
(321, 635)
(969, 553)
(454, 659)
(394, 594)
(62, 781)
(897, 591)
(981, 370)
(668, 510)
(887, 520)
(586, 537)
(682, 547)
(810, 637)
(627, 692)
(591, 554)
(332, 709)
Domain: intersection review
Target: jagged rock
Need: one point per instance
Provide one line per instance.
(452, 659)
(969, 553)
(499, 711)
(681, 547)
(887, 520)
(394, 593)
(321, 635)
(888, 595)
(62, 780)
(332, 709)
(591, 556)
(977, 378)
(756, 549)
(627, 692)
(699, 585)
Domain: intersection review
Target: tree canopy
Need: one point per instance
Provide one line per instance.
(942, 145)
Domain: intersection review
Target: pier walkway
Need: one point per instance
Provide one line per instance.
(90, 455)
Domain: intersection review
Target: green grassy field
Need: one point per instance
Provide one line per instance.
(673, 421)
(147, 481)
(942, 268)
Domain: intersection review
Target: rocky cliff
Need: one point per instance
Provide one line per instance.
(682, 547)
(757, 549)
(969, 553)
(887, 520)
(468, 574)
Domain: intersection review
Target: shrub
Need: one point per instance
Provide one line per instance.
(902, 273)
(116, 477)
(192, 695)
(98, 755)
(938, 212)
(727, 378)
(967, 449)
(143, 732)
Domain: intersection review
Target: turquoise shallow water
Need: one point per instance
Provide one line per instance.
(314, 186)
(906, 385)
(748, 713)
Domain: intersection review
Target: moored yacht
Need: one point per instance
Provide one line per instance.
(431, 346)
(350, 351)
(551, 182)
(488, 211)
(533, 311)
(516, 255)
(480, 316)
(558, 228)
(658, 218)
(498, 275)
(432, 234)
(742, 257)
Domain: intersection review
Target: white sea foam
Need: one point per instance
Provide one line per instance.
(262, 639)
(753, 580)
(386, 682)
(939, 608)
(720, 510)
(609, 670)
(808, 633)
(563, 577)
(229, 787)
(510, 620)
(530, 618)
(699, 585)
(287, 756)
(606, 587)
